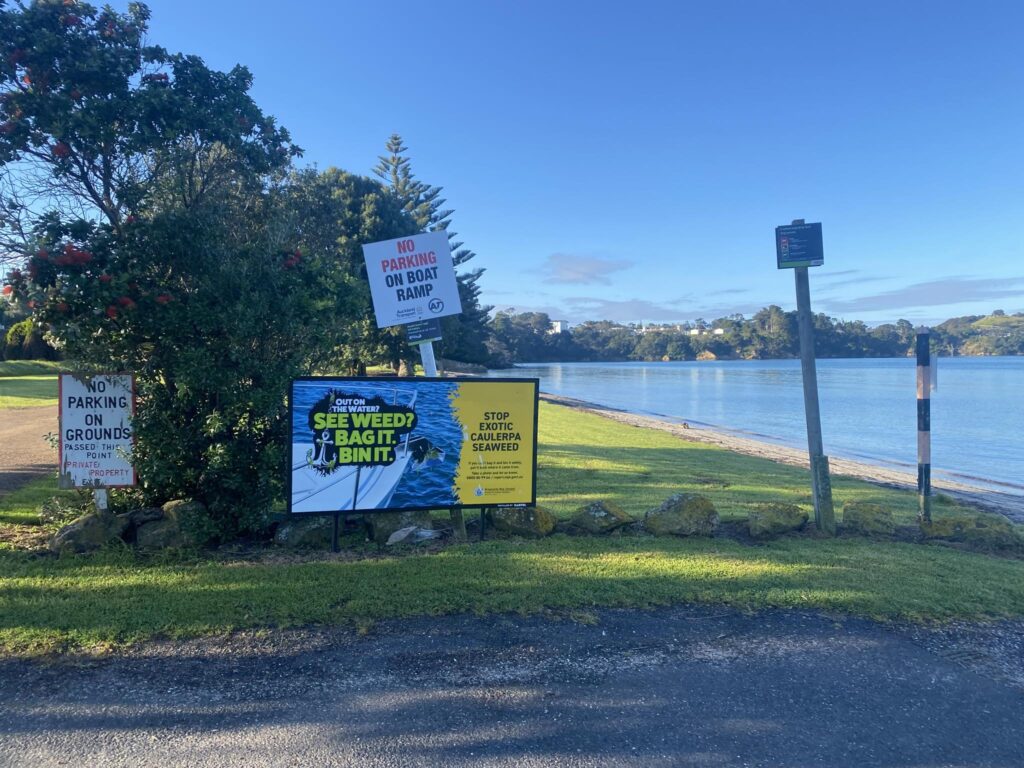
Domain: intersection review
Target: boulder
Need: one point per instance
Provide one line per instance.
(599, 517)
(982, 531)
(769, 520)
(161, 534)
(529, 522)
(381, 525)
(184, 512)
(138, 517)
(683, 514)
(88, 533)
(413, 535)
(868, 519)
(305, 532)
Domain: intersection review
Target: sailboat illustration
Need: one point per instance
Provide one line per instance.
(353, 487)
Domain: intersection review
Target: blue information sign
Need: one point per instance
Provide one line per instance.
(799, 245)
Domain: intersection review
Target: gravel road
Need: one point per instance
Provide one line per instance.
(673, 687)
(24, 453)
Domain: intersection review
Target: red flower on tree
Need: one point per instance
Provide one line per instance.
(60, 149)
(112, 312)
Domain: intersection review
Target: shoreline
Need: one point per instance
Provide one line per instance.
(1009, 505)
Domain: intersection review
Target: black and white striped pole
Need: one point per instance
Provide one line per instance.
(924, 426)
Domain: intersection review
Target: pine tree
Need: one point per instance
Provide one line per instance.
(465, 335)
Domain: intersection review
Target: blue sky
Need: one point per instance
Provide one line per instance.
(629, 161)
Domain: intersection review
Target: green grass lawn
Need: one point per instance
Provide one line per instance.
(584, 457)
(28, 383)
(117, 597)
(21, 507)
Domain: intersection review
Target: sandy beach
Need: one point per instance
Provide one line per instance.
(1009, 505)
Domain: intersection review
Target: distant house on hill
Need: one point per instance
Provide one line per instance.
(558, 326)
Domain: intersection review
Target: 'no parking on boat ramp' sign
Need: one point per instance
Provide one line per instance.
(412, 278)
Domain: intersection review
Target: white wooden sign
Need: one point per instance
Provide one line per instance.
(412, 278)
(96, 430)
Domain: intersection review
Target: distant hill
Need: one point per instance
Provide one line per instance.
(995, 334)
(770, 333)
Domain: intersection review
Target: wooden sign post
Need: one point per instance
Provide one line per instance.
(798, 247)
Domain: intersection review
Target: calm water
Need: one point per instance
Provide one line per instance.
(868, 407)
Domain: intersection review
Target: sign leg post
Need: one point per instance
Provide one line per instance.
(101, 500)
(335, 543)
(483, 522)
(821, 487)
(458, 522)
(427, 356)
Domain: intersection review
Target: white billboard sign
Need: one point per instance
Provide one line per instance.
(96, 430)
(412, 278)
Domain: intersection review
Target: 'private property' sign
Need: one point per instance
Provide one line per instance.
(96, 430)
(412, 278)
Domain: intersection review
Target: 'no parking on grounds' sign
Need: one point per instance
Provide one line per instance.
(96, 430)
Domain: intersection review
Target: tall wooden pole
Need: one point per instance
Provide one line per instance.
(924, 426)
(821, 483)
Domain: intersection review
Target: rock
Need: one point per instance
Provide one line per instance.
(412, 534)
(161, 534)
(530, 522)
(137, 517)
(599, 517)
(305, 532)
(868, 519)
(682, 514)
(88, 533)
(192, 520)
(770, 520)
(382, 524)
(401, 535)
(184, 511)
(982, 531)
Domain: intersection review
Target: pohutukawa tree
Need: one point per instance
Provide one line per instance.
(148, 196)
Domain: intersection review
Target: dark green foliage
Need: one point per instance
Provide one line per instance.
(174, 249)
(337, 212)
(24, 341)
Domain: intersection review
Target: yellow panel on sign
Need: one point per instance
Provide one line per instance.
(496, 460)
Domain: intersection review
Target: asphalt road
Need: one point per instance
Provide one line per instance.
(673, 687)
